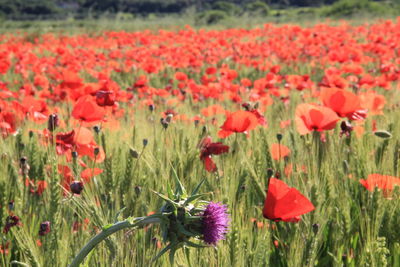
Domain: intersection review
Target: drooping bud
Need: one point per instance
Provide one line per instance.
(76, 187)
(53, 122)
(346, 128)
(134, 153)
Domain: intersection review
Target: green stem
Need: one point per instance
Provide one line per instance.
(109, 230)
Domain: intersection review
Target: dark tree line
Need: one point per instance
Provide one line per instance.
(15, 8)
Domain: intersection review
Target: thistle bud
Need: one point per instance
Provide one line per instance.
(76, 187)
(53, 122)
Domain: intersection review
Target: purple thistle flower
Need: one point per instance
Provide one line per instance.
(215, 223)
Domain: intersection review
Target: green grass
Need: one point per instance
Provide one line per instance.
(350, 220)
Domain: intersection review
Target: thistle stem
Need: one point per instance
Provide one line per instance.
(137, 222)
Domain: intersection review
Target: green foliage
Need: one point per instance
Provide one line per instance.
(257, 8)
(228, 8)
(211, 17)
(346, 8)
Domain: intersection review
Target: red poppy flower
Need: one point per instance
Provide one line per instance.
(89, 173)
(311, 117)
(284, 203)
(105, 98)
(207, 149)
(87, 110)
(344, 103)
(384, 182)
(279, 151)
(238, 122)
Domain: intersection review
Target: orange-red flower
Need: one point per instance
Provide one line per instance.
(87, 110)
(208, 149)
(279, 151)
(284, 203)
(344, 103)
(238, 122)
(311, 117)
(384, 182)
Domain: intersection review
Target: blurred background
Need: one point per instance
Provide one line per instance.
(156, 13)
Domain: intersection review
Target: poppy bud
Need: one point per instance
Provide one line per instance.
(11, 205)
(346, 128)
(52, 122)
(279, 137)
(44, 228)
(383, 134)
(22, 160)
(96, 129)
(76, 187)
(74, 154)
(134, 153)
(145, 142)
(30, 134)
(270, 172)
(96, 151)
(164, 123)
(169, 117)
(315, 228)
(138, 190)
(151, 107)
(204, 130)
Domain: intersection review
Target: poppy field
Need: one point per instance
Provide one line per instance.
(272, 146)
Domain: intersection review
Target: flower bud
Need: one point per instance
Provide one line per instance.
(151, 107)
(44, 228)
(74, 154)
(145, 142)
(279, 137)
(315, 228)
(76, 187)
(97, 129)
(134, 153)
(96, 151)
(52, 122)
(138, 190)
